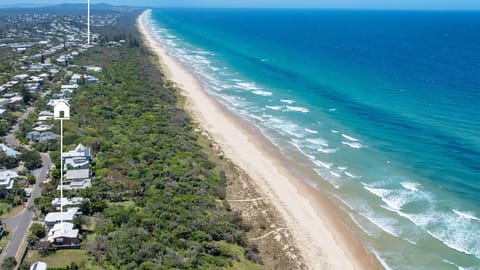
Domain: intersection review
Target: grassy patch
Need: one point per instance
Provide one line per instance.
(9, 212)
(125, 203)
(4, 240)
(60, 258)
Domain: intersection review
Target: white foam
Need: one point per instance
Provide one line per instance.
(297, 109)
(318, 141)
(351, 175)
(350, 138)
(202, 52)
(355, 145)
(381, 260)
(342, 168)
(275, 108)
(262, 93)
(335, 174)
(247, 85)
(289, 128)
(325, 165)
(319, 172)
(410, 186)
(466, 215)
(311, 131)
(288, 101)
(332, 109)
(327, 150)
(334, 131)
(380, 192)
(446, 227)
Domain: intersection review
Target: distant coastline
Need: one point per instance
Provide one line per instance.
(322, 238)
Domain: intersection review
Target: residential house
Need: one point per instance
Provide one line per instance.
(70, 86)
(80, 152)
(20, 77)
(77, 179)
(42, 137)
(33, 135)
(53, 218)
(42, 128)
(93, 68)
(36, 79)
(17, 99)
(7, 178)
(75, 201)
(63, 234)
(75, 78)
(32, 87)
(10, 152)
(77, 159)
(45, 115)
(91, 79)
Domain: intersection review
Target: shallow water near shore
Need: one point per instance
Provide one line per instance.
(383, 105)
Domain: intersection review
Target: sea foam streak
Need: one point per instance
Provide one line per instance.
(353, 144)
(351, 175)
(327, 150)
(466, 215)
(311, 131)
(288, 101)
(247, 85)
(297, 109)
(262, 93)
(318, 141)
(325, 165)
(410, 186)
(335, 174)
(275, 108)
(350, 138)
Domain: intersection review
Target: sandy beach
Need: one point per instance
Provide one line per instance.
(324, 240)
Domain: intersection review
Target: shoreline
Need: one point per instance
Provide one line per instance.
(321, 235)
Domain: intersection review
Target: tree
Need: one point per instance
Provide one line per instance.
(31, 179)
(9, 263)
(8, 162)
(38, 230)
(32, 159)
(27, 96)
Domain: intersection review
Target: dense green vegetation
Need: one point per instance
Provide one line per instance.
(147, 152)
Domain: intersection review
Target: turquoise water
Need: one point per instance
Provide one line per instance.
(384, 105)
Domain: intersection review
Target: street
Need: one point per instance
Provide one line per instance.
(18, 225)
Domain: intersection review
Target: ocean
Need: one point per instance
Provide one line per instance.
(383, 106)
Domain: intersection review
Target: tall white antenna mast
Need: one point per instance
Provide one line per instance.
(88, 21)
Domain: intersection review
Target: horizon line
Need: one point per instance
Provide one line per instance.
(45, 5)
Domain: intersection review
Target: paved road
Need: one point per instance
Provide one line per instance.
(19, 224)
(10, 138)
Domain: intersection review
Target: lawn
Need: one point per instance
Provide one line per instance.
(61, 258)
